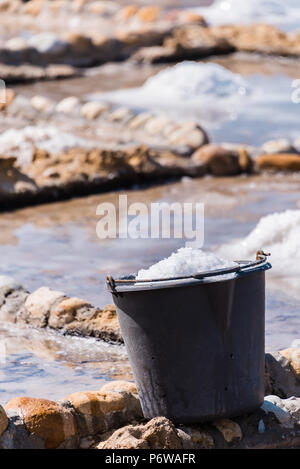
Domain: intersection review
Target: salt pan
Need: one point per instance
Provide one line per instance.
(284, 13)
(184, 262)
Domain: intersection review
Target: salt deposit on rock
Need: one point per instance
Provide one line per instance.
(185, 261)
(279, 12)
(21, 142)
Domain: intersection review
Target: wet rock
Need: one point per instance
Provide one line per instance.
(38, 305)
(279, 162)
(42, 104)
(48, 420)
(159, 433)
(229, 429)
(218, 161)
(93, 109)
(3, 420)
(68, 105)
(283, 145)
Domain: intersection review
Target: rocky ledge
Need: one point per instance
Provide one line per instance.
(41, 164)
(112, 417)
(49, 308)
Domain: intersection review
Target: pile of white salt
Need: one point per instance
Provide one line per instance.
(184, 262)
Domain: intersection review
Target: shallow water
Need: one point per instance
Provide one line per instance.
(56, 244)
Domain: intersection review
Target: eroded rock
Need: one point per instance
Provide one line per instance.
(159, 433)
(48, 420)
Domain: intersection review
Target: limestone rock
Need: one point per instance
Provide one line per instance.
(3, 420)
(93, 109)
(46, 419)
(229, 429)
(279, 162)
(158, 433)
(38, 306)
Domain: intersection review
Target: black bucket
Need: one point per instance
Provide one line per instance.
(196, 345)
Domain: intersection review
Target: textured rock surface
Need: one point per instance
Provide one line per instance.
(220, 161)
(159, 433)
(48, 420)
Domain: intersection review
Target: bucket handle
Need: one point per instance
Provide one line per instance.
(261, 259)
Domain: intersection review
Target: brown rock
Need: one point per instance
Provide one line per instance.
(149, 13)
(3, 420)
(96, 403)
(229, 429)
(218, 161)
(245, 161)
(159, 433)
(38, 306)
(79, 42)
(279, 162)
(202, 439)
(46, 419)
